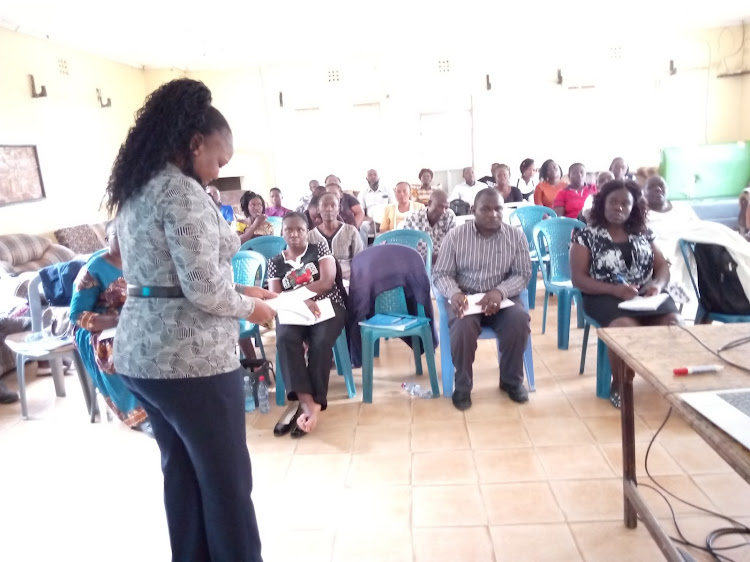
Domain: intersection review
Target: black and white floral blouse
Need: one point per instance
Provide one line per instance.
(608, 261)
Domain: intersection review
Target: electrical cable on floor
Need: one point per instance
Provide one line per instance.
(739, 528)
(717, 353)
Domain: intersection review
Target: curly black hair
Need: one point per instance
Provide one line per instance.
(544, 170)
(245, 201)
(636, 223)
(423, 170)
(163, 131)
(526, 164)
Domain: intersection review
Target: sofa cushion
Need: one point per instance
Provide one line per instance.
(54, 254)
(81, 239)
(18, 249)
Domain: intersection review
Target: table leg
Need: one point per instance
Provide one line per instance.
(628, 443)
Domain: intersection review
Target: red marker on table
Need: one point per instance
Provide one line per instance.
(697, 370)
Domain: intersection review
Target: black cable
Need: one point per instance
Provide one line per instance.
(717, 353)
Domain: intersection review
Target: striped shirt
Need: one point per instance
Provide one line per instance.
(471, 263)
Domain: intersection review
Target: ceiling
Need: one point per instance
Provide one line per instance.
(191, 35)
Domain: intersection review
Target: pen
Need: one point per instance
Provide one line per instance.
(698, 369)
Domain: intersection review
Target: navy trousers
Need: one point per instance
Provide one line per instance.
(199, 425)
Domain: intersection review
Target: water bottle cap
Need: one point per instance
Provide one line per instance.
(261, 378)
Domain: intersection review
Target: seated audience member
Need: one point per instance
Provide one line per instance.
(422, 194)
(467, 191)
(526, 183)
(436, 220)
(255, 222)
(99, 294)
(305, 379)
(570, 200)
(601, 179)
(613, 260)
(619, 168)
(276, 209)
(315, 189)
(743, 220)
(489, 181)
(350, 211)
(396, 213)
(490, 257)
(343, 240)
(549, 184)
(312, 214)
(226, 210)
(374, 199)
(509, 193)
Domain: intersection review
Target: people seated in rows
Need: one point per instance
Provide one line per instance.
(614, 259)
(569, 201)
(467, 191)
(343, 240)
(315, 189)
(276, 209)
(226, 210)
(99, 293)
(489, 181)
(436, 220)
(306, 379)
(526, 183)
(422, 193)
(373, 200)
(312, 214)
(350, 210)
(396, 213)
(620, 169)
(254, 222)
(549, 184)
(509, 193)
(486, 256)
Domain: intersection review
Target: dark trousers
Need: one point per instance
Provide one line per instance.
(311, 378)
(512, 328)
(199, 425)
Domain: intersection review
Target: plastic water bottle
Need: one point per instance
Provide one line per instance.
(249, 399)
(416, 390)
(263, 404)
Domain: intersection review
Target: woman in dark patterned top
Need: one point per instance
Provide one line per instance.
(614, 259)
(311, 266)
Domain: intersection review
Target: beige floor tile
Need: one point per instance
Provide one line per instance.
(613, 542)
(447, 506)
(696, 456)
(376, 506)
(372, 544)
(681, 486)
(311, 470)
(439, 436)
(344, 413)
(675, 428)
(571, 383)
(327, 439)
(549, 431)
(608, 429)
(264, 441)
(728, 492)
(574, 462)
(509, 465)
(270, 468)
(508, 433)
(458, 543)
(696, 528)
(376, 469)
(587, 405)
(551, 406)
(491, 407)
(382, 439)
(386, 413)
(435, 410)
(551, 542)
(660, 462)
(529, 502)
(443, 467)
(310, 545)
(589, 500)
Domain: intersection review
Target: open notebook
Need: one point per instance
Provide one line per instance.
(475, 308)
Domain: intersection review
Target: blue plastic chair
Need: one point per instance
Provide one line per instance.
(528, 217)
(267, 246)
(394, 302)
(276, 222)
(702, 315)
(487, 333)
(552, 239)
(603, 368)
(249, 268)
(343, 366)
(410, 238)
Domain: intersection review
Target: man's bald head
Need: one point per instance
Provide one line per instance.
(215, 194)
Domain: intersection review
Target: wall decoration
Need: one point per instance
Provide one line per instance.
(20, 176)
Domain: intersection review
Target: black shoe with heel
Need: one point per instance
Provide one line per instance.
(288, 420)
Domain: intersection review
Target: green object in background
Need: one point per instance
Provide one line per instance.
(706, 171)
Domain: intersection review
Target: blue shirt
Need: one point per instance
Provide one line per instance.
(227, 212)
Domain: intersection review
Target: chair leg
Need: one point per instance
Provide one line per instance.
(376, 353)
(581, 321)
(429, 352)
(368, 349)
(603, 371)
(446, 359)
(544, 315)
(584, 347)
(531, 288)
(58, 376)
(417, 353)
(563, 319)
(344, 364)
(528, 363)
(21, 374)
(280, 388)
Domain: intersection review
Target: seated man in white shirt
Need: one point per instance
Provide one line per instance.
(373, 201)
(467, 190)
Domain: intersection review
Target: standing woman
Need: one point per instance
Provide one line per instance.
(526, 183)
(179, 327)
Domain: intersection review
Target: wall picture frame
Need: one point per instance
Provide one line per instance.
(20, 175)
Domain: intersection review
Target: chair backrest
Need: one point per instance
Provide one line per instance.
(528, 217)
(268, 246)
(276, 222)
(391, 302)
(552, 238)
(411, 238)
(249, 268)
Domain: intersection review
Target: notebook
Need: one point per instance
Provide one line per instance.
(644, 303)
(392, 322)
(475, 308)
(301, 316)
(727, 409)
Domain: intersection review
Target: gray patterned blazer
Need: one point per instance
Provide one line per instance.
(171, 234)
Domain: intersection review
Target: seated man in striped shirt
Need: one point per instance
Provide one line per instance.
(486, 256)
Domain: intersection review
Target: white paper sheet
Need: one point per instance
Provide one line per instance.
(302, 316)
(107, 334)
(291, 300)
(475, 308)
(644, 303)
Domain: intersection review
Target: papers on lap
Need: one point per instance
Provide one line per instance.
(475, 308)
(644, 303)
(298, 314)
(107, 334)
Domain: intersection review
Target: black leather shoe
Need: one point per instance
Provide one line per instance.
(515, 393)
(461, 400)
(297, 432)
(7, 396)
(288, 420)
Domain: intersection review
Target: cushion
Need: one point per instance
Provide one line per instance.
(54, 254)
(18, 249)
(81, 239)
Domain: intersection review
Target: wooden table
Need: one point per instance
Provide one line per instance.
(653, 352)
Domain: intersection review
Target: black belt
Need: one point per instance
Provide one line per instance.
(155, 292)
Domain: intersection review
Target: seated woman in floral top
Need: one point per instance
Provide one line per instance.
(255, 222)
(613, 260)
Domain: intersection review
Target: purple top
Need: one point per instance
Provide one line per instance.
(276, 211)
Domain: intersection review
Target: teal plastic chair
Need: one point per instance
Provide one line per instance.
(267, 246)
(552, 239)
(394, 302)
(603, 368)
(276, 222)
(410, 238)
(528, 217)
(249, 268)
(343, 366)
(487, 333)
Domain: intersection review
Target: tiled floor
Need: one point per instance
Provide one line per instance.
(399, 480)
